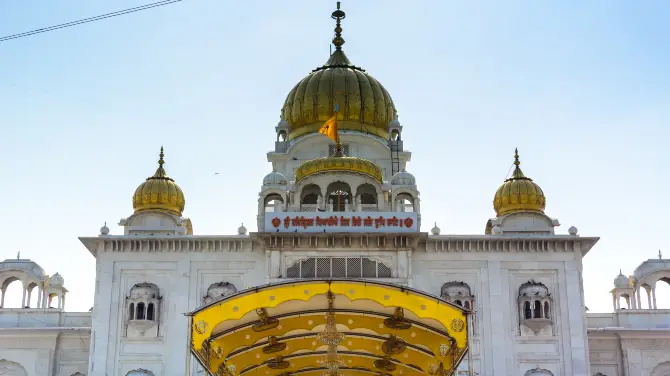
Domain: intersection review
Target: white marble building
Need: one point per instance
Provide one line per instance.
(324, 215)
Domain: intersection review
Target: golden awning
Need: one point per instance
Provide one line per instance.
(274, 330)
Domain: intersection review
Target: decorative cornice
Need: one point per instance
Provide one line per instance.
(508, 244)
(170, 243)
(418, 241)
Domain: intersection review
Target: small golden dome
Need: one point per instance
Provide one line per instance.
(159, 192)
(518, 193)
(364, 105)
(338, 164)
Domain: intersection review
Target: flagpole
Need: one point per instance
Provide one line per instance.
(338, 146)
(471, 371)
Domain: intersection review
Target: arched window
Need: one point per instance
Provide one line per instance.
(404, 203)
(537, 311)
(131, 312)
(140, 311)
(310, 198)
(546, 310)
(460, 303)
(527, 311)
(339, 196)
(150, 311)
(273, 203)
(467, 304)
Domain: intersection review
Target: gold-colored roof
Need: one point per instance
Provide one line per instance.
(159, 192)
(364, 105)
(379, 329)
(518, 193)
(337, 163)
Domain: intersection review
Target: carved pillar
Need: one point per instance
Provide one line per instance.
(653, 296)
(23, 300)
(637, 297)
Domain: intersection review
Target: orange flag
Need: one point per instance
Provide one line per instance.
(329, 128)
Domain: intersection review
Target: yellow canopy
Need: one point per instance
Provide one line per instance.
(379, 328)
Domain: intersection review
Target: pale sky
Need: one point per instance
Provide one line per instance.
(582, 88)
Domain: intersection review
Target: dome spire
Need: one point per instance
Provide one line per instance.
(517, 174)
(160, 171)
(338, 58)
(338, 15)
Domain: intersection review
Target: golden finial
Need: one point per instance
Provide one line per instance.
(517, 174)
(160, 171)
(516, 157)
(338, 15)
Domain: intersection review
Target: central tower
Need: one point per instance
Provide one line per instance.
(366, 178)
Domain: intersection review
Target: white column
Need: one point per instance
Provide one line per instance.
(614, 301)
(637, 297)
(576, 317)
(649, 298)
(23, 300)
(30, 294)
(63, 301)
(2, 299)
(39, 297)
(500, 350)
(653, 296)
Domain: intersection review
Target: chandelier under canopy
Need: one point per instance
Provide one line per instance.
(331, 337)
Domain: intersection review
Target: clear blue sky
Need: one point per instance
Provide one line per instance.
(582, 88)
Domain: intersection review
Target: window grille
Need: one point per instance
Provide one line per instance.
(338, 267)
(345, 149)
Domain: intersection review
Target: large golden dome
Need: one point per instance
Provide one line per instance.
(159, 192)
(364, 104)
(518, 193)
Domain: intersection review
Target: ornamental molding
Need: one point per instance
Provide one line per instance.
(185, 243)
(418, 241)
(646, 344)
(509, 244)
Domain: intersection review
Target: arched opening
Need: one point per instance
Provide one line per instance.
(404, 203)
(395, 135)
(273, 203)
(281, 136)
(366, 194)
(663, 293)
(309, 197)
(131, 311)
(150, 311)
(54, 300)
(527, 312)
(32, 296)
(140, 311)
(546, 310)
(467, 304)
(460, 303)
(339, 196)
(13, 295)
(537, 310)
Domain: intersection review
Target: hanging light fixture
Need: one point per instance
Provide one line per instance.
(331, 337)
